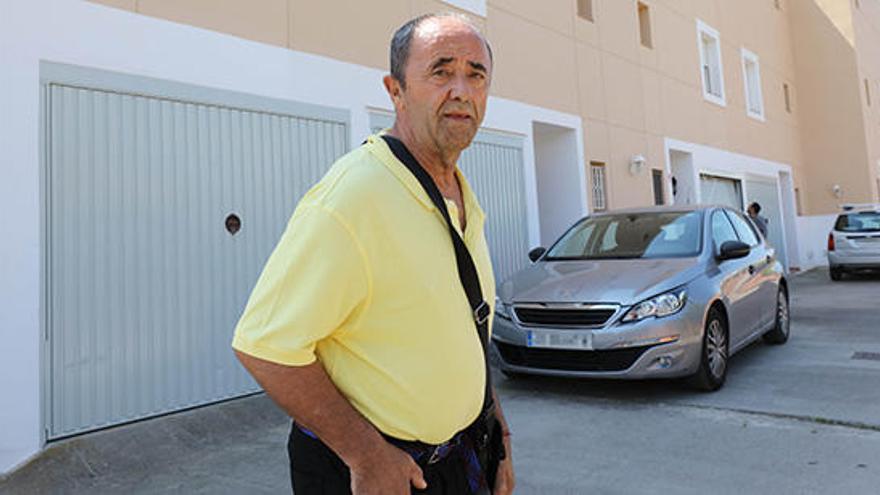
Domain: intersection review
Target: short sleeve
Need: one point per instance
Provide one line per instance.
(313, 282)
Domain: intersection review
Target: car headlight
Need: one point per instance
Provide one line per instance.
(503, 309)
(665, 304)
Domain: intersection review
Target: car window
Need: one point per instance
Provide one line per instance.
(722, 230)
(865, 221)
(632, 235)
(744, 228)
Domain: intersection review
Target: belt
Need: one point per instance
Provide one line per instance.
(423, 453)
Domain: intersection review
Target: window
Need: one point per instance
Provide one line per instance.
(752, 78)
(597, 172)
(744, 229)
(709, 43)
(585, 9)
(868, 92)
(659, 197)
(650, 235)
(786, 93)
(645, 25)
(722, 230)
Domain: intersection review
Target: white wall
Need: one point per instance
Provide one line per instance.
(81, 33)
(560, 180)
(813, 234)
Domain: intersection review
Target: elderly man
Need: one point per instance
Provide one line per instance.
(364, 326)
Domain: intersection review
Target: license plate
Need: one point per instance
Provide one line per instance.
(550, 339)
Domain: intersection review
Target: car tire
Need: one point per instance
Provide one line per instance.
(782, 324)
(715, 353)
(836, 273)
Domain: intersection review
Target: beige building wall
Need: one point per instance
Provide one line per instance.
(632, 97)
(836, 42)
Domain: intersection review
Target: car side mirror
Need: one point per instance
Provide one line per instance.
(732, 250)
(536, 253)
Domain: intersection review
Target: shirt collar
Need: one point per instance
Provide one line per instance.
(379, 148)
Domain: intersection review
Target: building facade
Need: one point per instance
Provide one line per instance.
(154, 149)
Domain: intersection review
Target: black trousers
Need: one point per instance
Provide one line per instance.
(317, 470)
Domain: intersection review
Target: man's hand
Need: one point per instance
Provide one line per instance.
(386, 470)
(504, 478)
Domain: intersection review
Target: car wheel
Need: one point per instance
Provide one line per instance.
(836, 273)
(782, 327)
(712, 372)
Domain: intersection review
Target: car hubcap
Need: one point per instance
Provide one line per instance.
(782, 317)
(716, 348)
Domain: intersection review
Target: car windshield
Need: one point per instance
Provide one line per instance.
(864, 221)
(630, 236)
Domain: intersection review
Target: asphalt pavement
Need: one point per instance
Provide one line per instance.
(802, 418)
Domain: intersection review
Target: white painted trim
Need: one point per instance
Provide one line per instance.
(703, 28)
(477, 7)
(723, 163)
(746, 57)
(91, 35)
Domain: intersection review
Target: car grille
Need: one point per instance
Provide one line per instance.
(570, 360)
(585, 317)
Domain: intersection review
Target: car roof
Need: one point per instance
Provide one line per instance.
(661, 209)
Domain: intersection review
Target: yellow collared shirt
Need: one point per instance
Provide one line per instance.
(364, 279)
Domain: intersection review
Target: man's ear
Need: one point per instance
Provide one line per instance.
(392, 85)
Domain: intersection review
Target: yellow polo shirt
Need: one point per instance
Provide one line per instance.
(365, 280)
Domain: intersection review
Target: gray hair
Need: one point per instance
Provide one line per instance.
(402, 39)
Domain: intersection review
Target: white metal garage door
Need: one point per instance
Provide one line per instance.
(493, 165)
(766, 193)
(144, 281)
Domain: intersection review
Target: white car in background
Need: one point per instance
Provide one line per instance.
(854, 242)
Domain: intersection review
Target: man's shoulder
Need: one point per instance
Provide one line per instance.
(354, 181)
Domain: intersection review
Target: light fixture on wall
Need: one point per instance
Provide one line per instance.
(636, 164)
(838, 192)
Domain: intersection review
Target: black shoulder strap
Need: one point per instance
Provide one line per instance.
(467, 271)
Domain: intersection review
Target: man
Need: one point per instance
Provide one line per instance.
(359, 327)
(754, 211)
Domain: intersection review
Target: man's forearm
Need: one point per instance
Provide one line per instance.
(308, 395)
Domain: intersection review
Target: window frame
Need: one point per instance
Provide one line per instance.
(602, 188)
(585, 10)
(646, 31)
(704, 29)
(750, 57)
(748, 224)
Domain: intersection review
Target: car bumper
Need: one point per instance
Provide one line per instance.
(629, 351)
(848, 260)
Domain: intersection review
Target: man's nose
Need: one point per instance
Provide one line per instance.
(459, 88)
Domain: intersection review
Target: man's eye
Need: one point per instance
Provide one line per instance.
(441, 72)
(478, 75)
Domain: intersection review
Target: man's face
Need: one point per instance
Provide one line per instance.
(447, 85)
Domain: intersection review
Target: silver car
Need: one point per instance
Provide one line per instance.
(649, 293)
(854, 242)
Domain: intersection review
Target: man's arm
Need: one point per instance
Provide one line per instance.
(308, 395)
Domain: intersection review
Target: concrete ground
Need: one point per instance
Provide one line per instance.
(800, 418)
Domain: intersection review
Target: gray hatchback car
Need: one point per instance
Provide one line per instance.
(659, 292)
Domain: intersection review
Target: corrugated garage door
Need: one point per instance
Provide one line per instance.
(766, 194)
(493, 164)
(144, 281)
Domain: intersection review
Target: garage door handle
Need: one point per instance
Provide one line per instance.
(751, 269)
